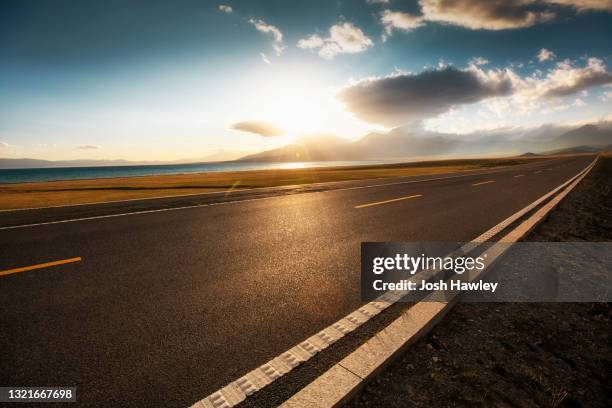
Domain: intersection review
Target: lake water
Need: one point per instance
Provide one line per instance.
(74, 173)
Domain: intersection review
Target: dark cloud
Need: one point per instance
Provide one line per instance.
(582, 5)
(405, 98)
(502, 14)
(264, 129)
(489, 14)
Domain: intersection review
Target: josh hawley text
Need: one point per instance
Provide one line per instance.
(457, 284)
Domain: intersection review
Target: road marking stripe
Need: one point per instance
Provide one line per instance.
(519, 175)
(238, 390)
(388, 201)
(483, 182)
(539, 171)
(39, 266)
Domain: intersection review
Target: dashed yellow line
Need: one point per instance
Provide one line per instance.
(483, 182)
(388, 201)
(39, 266)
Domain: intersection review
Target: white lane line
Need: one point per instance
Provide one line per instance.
(97, 217)
(519, 175)
(393, 200)
(207, 193)
(483, 182)
(238, 390)
(539, 171)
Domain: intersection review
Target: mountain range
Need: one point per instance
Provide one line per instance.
(399, 143)
(402, 143)
(25, 163)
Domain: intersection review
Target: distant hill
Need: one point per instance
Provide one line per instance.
(35, 163)
(579, 149)
(405, 143)
(587, 135)
(395, 144)
(319, 147)
(46, 164)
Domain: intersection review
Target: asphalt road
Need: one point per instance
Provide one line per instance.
(166, 307)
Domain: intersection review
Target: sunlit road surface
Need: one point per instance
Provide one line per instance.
(164, 308)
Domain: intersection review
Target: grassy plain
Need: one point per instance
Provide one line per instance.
(52, 193)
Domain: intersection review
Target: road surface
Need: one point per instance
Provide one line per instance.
(165, 307)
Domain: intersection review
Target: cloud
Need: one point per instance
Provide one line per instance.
(579, 103)
(264, 58)
(378, 1)
(4, 144)
(545, 55)
(478, 61)
(314, 41)
(277, 35)
(401, 98)
(261, 25)
(88, 147)
(226, 9)
(397, 20)
(545, 92)
(405, 98)
(566, 79)
(344, 38)
(488, 15)
(264, 129)
(582, 5)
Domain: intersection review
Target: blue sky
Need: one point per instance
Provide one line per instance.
(148, 80)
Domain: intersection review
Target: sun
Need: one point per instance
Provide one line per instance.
(295, 102)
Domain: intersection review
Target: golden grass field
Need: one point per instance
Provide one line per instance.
(52, 193)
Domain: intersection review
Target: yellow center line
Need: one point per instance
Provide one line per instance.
(483, 182)
(388, 201)
(39, 266)
(519, 175)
